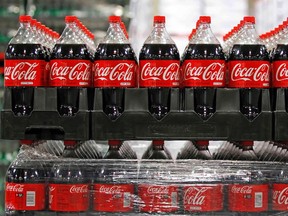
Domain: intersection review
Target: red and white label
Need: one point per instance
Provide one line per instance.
(280, 197)
(115, 73)
(280, 74)
(159, 73)
(68, 197)
(113, 197)
(203, 198)
(68, 72)
(249, 74)
(158, 198)
(24, 72)
(205, 73)
(29, 197)
(248, 198)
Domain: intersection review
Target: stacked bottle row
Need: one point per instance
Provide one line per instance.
(41, 183)
(79, 77)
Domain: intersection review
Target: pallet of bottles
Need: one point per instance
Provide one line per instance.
(43, 118)
(50, 186)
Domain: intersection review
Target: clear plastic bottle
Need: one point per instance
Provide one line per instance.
(249, 69)
(115, 68)
(203, 68)
(24, 65)
(159, 63)
(70, 68)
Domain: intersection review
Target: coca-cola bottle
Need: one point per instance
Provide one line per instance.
(203, 68)
(158, 188)
(69, 150)
(159, 62)
(279, 66)
(195, 150)
(247, 152)
(114, 187)
(157, 150)
(115, 68)
(279, 191)
(119, 150)
(70, 68)
(248, 191)
(24, 67)
(249, 69)
(68, 189)
(25, 191)
(203, 191)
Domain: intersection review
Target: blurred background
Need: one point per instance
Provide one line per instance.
(181, 17)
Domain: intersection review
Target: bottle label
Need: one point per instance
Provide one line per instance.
(159, 73)
(248, 198)
(115, 73)
(29, 197)
(113, 197)
(249, 74)
(203, 73)
(158, 198)
(280, 197)
(70, 72)
(24, 72)
(203, 198)
(68, 197)
(280, 74)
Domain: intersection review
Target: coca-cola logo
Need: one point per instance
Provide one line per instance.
(119, 72)
(19, 188)
(79, 71)
(79, 189)
(110, 190)
(259, 73)
(21, 71)
(167, 73)
(213, 72)
(281, 197)
(158, 190)
(52, 188)
(282, 72)
(195, 195)
(242, 190)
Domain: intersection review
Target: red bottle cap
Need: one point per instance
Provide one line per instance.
(202, 142)
(26, 142)
(246, 143)
(205, 19)
(70, 142)
(114, 19)
(114, 142)
(33, 22)
(159, 19)
(25, 18)
(69, 19)
(250, 19)
(158, 142)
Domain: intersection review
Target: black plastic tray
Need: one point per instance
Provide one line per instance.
(227, 123)
(280, 117)
(44, 122)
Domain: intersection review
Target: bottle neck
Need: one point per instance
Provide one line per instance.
(115, 35)
(283, 36)
(24, 35)
(204, 35)
(114, 147)
(158, 147)
(248, 35)
(70, 35)
(159, 35)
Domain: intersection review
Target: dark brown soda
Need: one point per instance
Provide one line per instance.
(159, 97)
